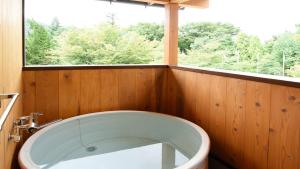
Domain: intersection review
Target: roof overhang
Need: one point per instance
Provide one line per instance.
(161, 3)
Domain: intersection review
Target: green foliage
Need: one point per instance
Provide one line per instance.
(206, 30)
(38, 43)
(204, 45)
(249, 47)
(151, 31)
(105, 44)
(286, 50)
(212, 45)
(55, 29)
(294, 71)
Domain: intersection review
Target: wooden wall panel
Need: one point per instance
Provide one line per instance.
(179, 81)
(67, 93)
(10, 146)
(2, 153)
(251, 125)
(127, 89)
(109, 95)
(217, 115)
(145, 90)
(235, 121)
(284, 149)
(202, 92)
(46, 95)
(1, 48)
(161, 85)
(29, 93)
(90, 91)
(172, 94)
(189, 108)
(257, 125)
(10, 73)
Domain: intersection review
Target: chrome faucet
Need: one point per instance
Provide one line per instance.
(34, 125)
(29, 124)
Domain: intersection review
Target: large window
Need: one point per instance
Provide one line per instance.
(258, 36)
(92, 32)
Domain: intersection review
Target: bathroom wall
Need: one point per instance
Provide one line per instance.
(252, 125)
(10, 72)
(67, 93)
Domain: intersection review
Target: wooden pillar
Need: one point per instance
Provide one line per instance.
(171, 34)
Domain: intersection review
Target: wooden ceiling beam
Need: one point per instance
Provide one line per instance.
(181, 3)
(155, 1)
(195, 3)
(178, 1)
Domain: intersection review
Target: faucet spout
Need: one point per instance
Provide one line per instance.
(29, 124)
(35, 127)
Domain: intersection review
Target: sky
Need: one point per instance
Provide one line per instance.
(263, 18)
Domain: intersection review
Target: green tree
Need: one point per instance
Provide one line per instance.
(207, 30)
(286, 50)
(132, 49)
(212, 45)
(249, 47)
(37, 43)
(269, 65)
(294, 71)
(151, 31)
(111, 18)
(55, 29)
(105, 44)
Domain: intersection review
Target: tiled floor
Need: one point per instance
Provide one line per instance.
(215, 164)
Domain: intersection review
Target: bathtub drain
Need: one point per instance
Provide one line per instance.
(91, 149)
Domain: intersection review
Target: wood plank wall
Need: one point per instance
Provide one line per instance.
(67, 93)
(10, 73)
(252, 125)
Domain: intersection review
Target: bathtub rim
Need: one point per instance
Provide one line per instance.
(200, 157)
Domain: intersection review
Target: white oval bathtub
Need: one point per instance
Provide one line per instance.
(117, 140)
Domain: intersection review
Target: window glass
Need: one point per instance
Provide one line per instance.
(257, 36)
(92, 32)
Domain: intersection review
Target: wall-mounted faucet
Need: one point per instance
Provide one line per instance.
(35, 126)
(29, 124)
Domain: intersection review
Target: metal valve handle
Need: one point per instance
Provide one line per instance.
(22, 120)
(34, 116)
